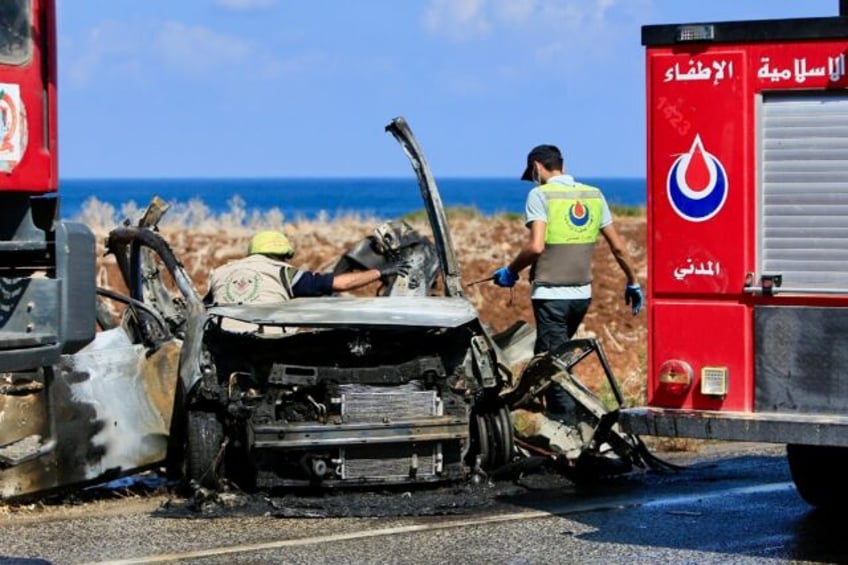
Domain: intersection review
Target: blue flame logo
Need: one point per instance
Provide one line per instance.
(697, 184)
(578, 214)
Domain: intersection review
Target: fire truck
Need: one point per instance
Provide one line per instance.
(47, 291)
(47, 266)
(747, 202)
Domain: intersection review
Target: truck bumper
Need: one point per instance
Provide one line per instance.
(816, 429)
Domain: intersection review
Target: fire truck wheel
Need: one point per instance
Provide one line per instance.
(205, 442)
(819, 472)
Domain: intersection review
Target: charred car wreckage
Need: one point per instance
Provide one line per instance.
(404, 387)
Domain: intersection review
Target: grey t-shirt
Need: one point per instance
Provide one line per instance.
(536, 209)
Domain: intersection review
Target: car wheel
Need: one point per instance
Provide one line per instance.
(506, 434)
(205, 444)
(482, 436)
(819, 472)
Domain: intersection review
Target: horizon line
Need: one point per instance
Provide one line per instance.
(330, 177)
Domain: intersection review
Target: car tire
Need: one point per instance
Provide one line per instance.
(204, 444)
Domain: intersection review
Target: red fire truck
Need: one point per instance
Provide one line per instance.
(748, 246)
(47, 290)
(47, 266)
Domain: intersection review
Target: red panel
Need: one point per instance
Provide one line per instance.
(703, 334)
(697, 171)
(28, 156)
(798, 65)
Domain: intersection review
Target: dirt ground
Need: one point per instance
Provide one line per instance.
(483, 244)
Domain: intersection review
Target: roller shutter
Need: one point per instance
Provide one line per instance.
(803, 204)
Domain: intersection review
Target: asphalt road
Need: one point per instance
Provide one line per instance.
(734, 503)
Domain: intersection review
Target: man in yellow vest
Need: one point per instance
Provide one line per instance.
(564, 218)
(265, 276)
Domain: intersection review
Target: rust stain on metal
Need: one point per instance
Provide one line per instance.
(159, 379)
(22, 415)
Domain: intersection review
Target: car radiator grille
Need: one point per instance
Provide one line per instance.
(387, 405)
(361, 403)
(393, 462)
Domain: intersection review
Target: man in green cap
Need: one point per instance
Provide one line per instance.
(265, 276)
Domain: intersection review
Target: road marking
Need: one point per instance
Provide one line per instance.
(607, 503)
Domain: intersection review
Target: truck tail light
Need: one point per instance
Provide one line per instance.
(675, 377)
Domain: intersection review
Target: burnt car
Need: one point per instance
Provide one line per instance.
(407, 386)
(399, 387)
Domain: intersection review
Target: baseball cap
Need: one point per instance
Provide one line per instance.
(548, 155)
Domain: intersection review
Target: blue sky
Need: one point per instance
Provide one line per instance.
(293, 88)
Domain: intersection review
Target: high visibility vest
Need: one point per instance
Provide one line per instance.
(574, 221)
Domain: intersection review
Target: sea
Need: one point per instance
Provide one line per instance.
(313, 198)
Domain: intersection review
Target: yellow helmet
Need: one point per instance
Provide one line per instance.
(270, 243)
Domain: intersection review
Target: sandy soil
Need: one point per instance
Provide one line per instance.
(483, 244)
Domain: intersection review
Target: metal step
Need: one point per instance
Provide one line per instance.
(22, 340)
(24, 245)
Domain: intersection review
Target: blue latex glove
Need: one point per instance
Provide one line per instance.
(504, 277)
(633, 297)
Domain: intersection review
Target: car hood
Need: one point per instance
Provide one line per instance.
(384, 311)
(432, 205)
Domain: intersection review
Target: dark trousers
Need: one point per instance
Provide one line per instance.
(556, 322)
